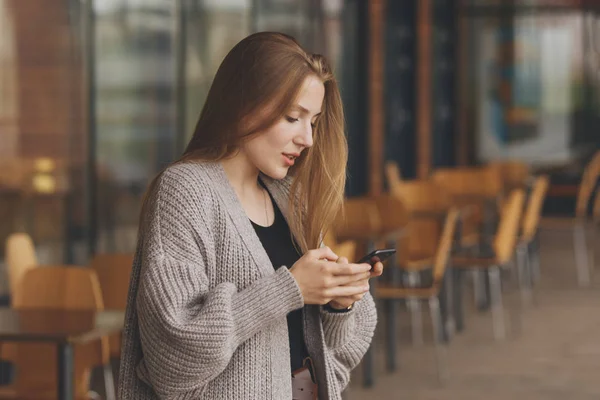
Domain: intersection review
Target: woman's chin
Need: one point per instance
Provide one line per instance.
(276, 172)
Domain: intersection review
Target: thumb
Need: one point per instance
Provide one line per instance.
(342, 260)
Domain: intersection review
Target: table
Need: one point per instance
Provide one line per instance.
(65, 328)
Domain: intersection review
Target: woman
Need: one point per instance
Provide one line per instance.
(232, 295)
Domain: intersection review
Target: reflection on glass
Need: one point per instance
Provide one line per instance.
(40, 122)
(135, 110)
(532, 88)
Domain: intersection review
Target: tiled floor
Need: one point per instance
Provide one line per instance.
(556, 354)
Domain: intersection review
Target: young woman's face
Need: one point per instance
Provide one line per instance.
(274, 151)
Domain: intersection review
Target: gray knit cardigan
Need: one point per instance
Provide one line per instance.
(206, 313)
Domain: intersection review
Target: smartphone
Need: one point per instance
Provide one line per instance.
(376, 256)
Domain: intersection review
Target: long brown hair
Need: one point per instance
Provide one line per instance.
(262, 75)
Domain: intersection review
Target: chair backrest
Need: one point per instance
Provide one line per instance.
(20, 257)
(421, 195)
(391, 210)
(359, 215)
(484, 180)
(508, 229)
(114, 272)
(587, 185)
(64, 288)
(533, 211)
(514, 173)
(392, 174)
(423, 233)
(60, 287)
(445, 246)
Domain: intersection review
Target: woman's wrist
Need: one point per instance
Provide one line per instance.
(333, 306)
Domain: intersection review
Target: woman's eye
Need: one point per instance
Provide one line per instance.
(290, 119)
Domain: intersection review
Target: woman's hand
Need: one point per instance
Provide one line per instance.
(342, 303)
(321, 279)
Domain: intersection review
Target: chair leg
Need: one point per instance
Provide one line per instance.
(414, 306)
(446, 297)
(477, 286)
(392, 333)
(438, 338)
(416, 321)
(534, 261)
(109, 383)
(581, 254)
(457, 299)
(497, 307)
(523, 275)
(481, 289)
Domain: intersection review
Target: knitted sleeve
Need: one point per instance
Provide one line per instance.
(189, 331)
(347, 338)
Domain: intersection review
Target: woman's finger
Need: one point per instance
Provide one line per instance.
(360, 279)
(346, 291)
(377, 270)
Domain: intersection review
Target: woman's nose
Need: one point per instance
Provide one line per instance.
(306, 138)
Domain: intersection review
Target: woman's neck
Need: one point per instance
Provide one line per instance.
(242, 174)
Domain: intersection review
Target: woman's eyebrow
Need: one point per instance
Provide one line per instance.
(303, 110)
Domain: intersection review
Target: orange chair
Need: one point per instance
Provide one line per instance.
(20, 257)
(479, 188)
(429, 293)
(66, 288)
(504, 246)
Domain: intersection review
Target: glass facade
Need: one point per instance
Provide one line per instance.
(97, 96)
(106, 95)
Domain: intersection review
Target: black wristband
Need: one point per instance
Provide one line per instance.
(330, 309)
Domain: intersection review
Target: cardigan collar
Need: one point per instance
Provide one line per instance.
(238, 216)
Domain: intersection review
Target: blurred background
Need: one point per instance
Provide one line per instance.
(97, 96)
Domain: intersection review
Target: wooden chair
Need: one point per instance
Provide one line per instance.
(481, 189)
(527, 248)
(425, 205)
(504, 245)
(59, 287)
(114, 271)
(20, 257)
(469, 181)
(428, 293)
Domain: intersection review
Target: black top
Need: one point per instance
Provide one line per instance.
(277, 241)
